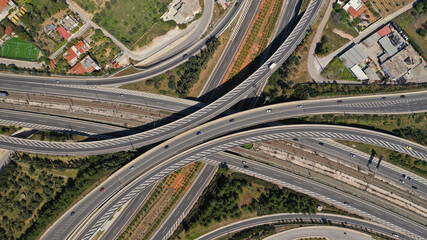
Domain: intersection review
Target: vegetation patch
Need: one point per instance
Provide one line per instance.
(8, 130)
(161, 202)
(36, 190)
(387, 7)
(234, 196)
(134, 21)
(181, 79)
(414, 25)
(338, 20)
(336, 70)
(399, 159)
(57, 136)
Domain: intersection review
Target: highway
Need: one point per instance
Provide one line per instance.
(288, 218)
(393, 104)
(152, 172)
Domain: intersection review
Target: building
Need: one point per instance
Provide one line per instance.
(371, 40)
(72, 55)
(354, 8)
(86, 65)
(68, 23)
(388, 47)
(182, 11)
(8, 31)
(64, 33)
(407, 64)
(354, 56)
(384, 31)
(5, 6)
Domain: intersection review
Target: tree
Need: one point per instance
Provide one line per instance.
(422, 32)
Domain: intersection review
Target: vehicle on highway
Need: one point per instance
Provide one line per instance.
(272, 65)
(401, 180)
(383, 98)
(295, 139)
(132, 168)
(321, 144)
(122, 95)
(4, 93)
(72, 213)
(254, 85)
(268, 110)
(57, 81)
(245, 163)
(395, 235)
(409, 147)
(246, 167)
(166, 147)
(402, 96)
(339, 101)
(346, 203)
(102, 189)
(198, 133)
(352, 155)
(404, 175)
(409, 178)
(185, 55)
(414, 187)
(299, 106)
(231, 120)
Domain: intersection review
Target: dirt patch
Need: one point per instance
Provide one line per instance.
(342, 34)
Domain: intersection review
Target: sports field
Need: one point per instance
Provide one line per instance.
(19, 49)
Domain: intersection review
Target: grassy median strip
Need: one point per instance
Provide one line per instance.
(163, 199)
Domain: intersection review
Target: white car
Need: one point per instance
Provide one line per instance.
(299, 106)
(268, 110)
(352, 155)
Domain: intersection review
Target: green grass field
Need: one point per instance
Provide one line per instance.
(19, 49)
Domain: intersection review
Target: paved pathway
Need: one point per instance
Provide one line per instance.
(21, 63)
(316, 64)
(331, 233)
(196, 29)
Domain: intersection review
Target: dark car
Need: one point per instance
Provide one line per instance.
(4, 93)
(320, 143)
(246, 167)
(414, 187)
(102, 189)
(383, 98)
(72, 213)
(167, 146)
(231, 120)
(346, 203)
(402, 96)
(339, 101)
(198, 133)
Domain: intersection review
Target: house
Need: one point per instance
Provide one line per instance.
(354, 8)
(8, 31)
(384, 31)
(182, 11)
(86, 65)
(68, 23)
(5, 6)
(63, 32)
(73, 53)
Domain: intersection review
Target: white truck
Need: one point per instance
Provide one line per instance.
(272, 65)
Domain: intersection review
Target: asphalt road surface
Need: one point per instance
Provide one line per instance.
(152, 170)
(392, 104)
(321, 231)
(289, 217)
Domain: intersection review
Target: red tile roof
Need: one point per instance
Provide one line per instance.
(52, 64)
(78, 69)
(63, 32)
(8, 31)
(70, 55)
(355, 13)
(3, 4)
(384, 31)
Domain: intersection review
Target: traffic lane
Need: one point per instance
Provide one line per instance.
(383, 171)
(67, 124)
(208, 149)
(325, 191)
(289, 217)
(155, 70)
(127, 215)
(184, 205)
(140, 99)
(242, 119)
(231, 50)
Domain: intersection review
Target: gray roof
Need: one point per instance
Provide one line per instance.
(371, 40)
(371, 74)
(388, 46)
(354, 56)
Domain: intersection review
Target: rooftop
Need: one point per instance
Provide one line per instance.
(354, 56)
(63, 32)
(388, 46)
